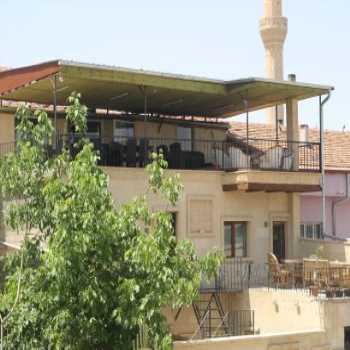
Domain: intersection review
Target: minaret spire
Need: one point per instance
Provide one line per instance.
(273, 30)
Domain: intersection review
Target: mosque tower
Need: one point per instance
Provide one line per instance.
(273, 31)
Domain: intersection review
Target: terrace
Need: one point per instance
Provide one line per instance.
(218, 312)
(135, 112)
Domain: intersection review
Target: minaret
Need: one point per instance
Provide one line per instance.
(273, 30)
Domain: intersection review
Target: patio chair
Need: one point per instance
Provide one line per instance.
(278, 275)
(340, 276)
(175, 156)
(238, 159)
(116, 154)
(104, 154)
(316, 273)
(345, 278)
(131, 153)
(276, 157)
(287, 159)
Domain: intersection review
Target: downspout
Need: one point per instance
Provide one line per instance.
(323, 182)
(340, 202)
(246, 106)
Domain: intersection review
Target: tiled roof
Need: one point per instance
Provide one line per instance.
(337, 143)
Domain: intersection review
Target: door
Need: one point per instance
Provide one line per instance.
(346, 338)
(279, 240)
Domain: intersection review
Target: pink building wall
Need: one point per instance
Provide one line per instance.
(310, 206)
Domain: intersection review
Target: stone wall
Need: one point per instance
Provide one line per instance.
(309, 340)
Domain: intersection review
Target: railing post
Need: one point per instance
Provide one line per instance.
(209, 320)
(223, 155)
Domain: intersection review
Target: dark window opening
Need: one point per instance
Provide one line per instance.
(174, 222)
(123, 130)
(347, 338)
(235, 239)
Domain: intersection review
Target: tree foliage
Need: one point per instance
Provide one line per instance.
(89, 272)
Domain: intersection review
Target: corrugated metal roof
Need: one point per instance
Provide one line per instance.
(124, 89)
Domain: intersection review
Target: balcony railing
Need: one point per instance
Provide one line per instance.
(260, 154)
(6, 148)
(307, 275)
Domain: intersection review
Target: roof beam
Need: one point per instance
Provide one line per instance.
(155, 81)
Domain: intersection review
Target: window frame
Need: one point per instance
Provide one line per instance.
(95, 123)
(233, 225)
(316, 230)
(127, 125)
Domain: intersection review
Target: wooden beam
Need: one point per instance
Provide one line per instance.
(267, 187)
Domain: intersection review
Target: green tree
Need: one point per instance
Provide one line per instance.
(89, 272)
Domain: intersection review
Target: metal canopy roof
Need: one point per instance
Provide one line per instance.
(124, 89)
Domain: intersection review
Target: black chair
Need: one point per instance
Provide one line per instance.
(197, 160)
(131, 153)
(116, 154)
(105, 154)
(175, 159)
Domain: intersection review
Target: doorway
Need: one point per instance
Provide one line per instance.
(279, 239)
(346, 338)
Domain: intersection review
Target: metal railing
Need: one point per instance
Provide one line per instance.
(6, 148)
(233, 275)
(141, 341)
(234, 323)
(277, 155)
(237, 275)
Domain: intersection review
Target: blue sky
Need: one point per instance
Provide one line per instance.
(217, 39)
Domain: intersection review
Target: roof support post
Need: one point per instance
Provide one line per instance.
(322, 161)
(293, 131)
(145, 108)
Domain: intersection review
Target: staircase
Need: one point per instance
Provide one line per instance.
(211, 318)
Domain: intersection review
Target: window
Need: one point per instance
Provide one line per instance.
(235, 239)
(184, 135)
(122, 131)
(311, 230)
(317, 231)
(174, 221)
(93, 129)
